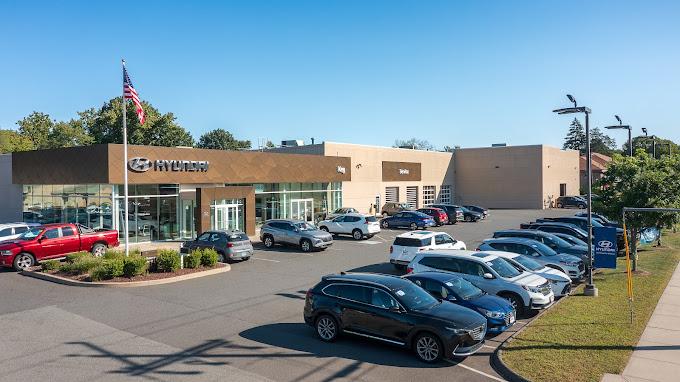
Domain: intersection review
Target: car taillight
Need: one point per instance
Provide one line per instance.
(229, 245)
(409, 269)
(391, 249)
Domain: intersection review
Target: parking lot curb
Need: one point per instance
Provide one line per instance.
(497, 357)
(131, 284)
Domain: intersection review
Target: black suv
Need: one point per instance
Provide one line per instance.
(454, 213)
(393, 310)
(570, 201)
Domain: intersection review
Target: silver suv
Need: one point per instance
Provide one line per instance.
(294, 232)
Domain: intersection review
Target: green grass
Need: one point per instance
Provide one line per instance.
(583, 338)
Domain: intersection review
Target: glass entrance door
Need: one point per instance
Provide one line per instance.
(227, 217)
(187, 212)
(302, 209)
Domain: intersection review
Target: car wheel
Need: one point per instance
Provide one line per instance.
(324, 228)
(515, 301)
(559, 205)
(413, 226)
(581, 206)
(221, 258)
(326, 328)
(268, 241)
(305, 245)
(428, 348)
(98, 250)
(357, 234)
(23, 261)
(467, 219)
(385, 215)
(385, 224)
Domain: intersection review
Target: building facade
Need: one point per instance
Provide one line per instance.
(175, 193)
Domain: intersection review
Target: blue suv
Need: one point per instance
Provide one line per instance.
(499, 313)
(410, 219)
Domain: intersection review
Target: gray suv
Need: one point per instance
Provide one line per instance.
(391, 208)
(294, 232)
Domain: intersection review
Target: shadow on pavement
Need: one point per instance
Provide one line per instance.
(384, 268)
(301, 338)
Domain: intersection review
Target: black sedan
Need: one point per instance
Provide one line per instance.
(471, 216)
(393, 310)
(478, 209)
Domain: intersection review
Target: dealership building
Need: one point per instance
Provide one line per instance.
(175, 192)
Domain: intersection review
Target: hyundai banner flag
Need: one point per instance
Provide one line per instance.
(605, 247)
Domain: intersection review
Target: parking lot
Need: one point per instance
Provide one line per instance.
(242, 325)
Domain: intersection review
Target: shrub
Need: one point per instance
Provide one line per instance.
(193, 259)
(134, 265)
(73, 257)
(108, 269)
(167, 261)
(82, 265)
(50, 265)
(209, 257)
(114, 254)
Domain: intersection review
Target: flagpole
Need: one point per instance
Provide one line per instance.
(125, 174)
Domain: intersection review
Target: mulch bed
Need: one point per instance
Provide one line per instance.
(146, 277)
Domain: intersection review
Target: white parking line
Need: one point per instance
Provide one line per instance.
(259, 258)
(370, 242)
(476, 371)
(487, 346)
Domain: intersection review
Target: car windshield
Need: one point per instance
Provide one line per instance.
(503, 268)
(543, 249)
(528, 263)
(463, 288)
(31, 233)
(304, 226)
(415, 298)
(576, 241)
(558, 242)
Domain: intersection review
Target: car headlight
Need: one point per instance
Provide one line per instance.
(6, 252)
(456, 330)
(569, 263)
(316, 240)
(492, 314)
(532, 289)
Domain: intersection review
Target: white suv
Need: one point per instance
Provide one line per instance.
(11, 231)
(357, 225)
(490, 273)
(407, 245)
(560, 281)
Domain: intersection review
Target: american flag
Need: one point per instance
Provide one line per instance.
(129, 92)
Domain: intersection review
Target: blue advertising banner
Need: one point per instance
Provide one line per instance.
(605, 247)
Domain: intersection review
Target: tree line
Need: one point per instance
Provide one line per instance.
(105, 125)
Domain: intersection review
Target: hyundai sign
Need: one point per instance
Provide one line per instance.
(605, 247)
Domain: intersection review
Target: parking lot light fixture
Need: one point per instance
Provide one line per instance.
(624, 127)
(590, 289)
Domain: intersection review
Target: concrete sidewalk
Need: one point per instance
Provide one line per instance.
(657, 356)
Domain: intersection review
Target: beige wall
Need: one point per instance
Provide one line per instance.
(437, 168)
(500, 177)
(559, 166)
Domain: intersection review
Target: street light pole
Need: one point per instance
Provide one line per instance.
(626, 127)
(590, 289)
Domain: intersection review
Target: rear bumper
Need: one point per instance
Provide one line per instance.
(237, 255)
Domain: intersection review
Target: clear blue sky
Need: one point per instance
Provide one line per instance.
(466, 73)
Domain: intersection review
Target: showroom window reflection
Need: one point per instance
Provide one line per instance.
(89, 205)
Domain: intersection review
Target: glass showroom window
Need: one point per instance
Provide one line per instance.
(428, 195)
(303, 201)
(89, 205)
(152, 212)
(445, 194)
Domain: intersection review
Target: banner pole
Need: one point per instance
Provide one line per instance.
(629, 275)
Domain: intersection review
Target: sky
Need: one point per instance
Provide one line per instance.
(456, 73)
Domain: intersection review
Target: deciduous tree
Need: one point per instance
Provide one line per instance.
(221, 139)
(11, 141)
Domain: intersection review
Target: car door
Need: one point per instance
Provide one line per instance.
(352, 222)
(336, 225)
(474, 273)
(69, 240)
(384, 320)
(397, 220)
(353, 306)
(288, 233)
(51, 245)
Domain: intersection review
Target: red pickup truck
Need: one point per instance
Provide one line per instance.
(51, 241)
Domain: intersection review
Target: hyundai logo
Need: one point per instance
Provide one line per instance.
(605, 244)
(139, 164)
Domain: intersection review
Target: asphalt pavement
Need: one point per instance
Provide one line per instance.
(239, 326)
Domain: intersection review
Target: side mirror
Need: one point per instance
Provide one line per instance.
(488, 276)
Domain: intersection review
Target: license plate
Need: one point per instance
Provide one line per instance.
(512, 319)
(552, 298)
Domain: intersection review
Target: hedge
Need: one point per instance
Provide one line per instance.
(167, 261)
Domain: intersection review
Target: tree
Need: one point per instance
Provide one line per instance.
(221, 139)
(105, 125)
(576, 137)
(645, 143)
(45, 133)
(11, 141)
(269, 145)
(448, 149)
(599, 141)
(414, 143)
(640, 181)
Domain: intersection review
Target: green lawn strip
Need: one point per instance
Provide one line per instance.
(582, 338)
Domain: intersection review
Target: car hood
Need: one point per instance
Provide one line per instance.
(461, 316)
(576, 249)
(11, 244)
(317, 233)
(553, 274)
(566, 258)
(493, 303)
(528, 279)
